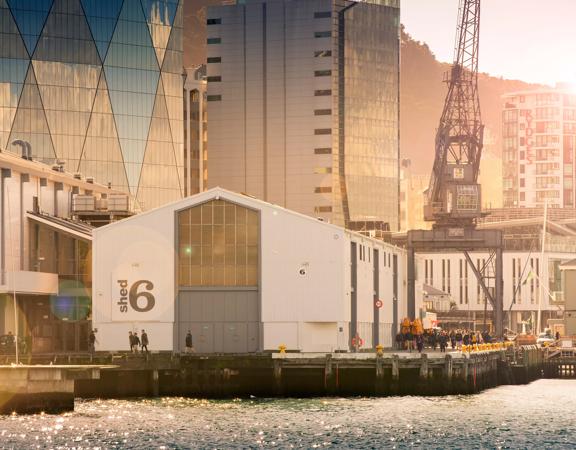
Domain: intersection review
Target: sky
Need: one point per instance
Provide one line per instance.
(528, 40)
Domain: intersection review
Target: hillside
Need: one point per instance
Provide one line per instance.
(195, 31)
(422, 99)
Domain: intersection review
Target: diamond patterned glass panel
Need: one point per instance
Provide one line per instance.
(93, 87)
(67, 92)
(102, 16)
(30, 16)
(11, 44)
(132, 74)
(66, 36)
(30, 121)
(12, 74)
(102, 155)
(160, 17)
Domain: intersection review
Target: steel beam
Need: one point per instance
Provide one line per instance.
(465, 240)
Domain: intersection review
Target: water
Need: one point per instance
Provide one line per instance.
(537, 416)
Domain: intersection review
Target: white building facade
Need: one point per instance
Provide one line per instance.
(530, 283)
(45, 255)
(303, 100)
(243, 275)
(539, 144)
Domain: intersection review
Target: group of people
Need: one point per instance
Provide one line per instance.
(413, 339)
(138, 342)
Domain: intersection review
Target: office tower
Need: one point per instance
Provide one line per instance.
(303, 106)
(97, 85)
(539, 131)
(195, 130)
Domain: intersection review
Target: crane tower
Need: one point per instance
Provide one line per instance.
(453, 196)
(453, 200)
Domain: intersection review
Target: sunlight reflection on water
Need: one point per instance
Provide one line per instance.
(540, 415)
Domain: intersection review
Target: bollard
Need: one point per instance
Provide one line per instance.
(423, 365)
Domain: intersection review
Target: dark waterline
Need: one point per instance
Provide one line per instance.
(537, 416)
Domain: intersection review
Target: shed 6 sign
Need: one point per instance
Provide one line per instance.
(138, 296)
(140, 292)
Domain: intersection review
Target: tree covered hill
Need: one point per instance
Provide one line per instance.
(422, 94)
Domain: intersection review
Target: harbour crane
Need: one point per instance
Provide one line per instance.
(453, 199)
(453, 196)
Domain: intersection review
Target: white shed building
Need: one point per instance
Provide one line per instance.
(243, 275)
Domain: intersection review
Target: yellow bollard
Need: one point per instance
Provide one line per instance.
(380, 349)
(282, 348)
(464, 349)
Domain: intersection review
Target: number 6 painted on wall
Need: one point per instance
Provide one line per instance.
(134, 295)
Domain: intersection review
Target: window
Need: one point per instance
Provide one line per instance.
(467, 198)
(214, 41)
(522, 182)
(214, 59)
(322, 92)
(322, 73)
(322, 112)
(322, 34)
(322, 14)
(217, 21)
(322, 53)
(522, 196)
(322, 131)
(218, 245)
(323, 190)
(322, 209)
(214, 98)
(214, 79)
(323, 151)
(321, 170)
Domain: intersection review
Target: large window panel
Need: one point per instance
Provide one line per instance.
(218, 245)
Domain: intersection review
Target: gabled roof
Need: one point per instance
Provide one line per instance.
(218, 193)
(431, 290)
(78, 229)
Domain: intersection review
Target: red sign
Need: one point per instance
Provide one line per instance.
(378, 303)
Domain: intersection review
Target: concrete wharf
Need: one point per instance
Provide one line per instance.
(309, 374)
(121, 375)
(37, 388)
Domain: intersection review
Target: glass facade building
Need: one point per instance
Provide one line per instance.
(97, 84)
(303, 101)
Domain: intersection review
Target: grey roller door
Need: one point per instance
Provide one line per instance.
(220, 321)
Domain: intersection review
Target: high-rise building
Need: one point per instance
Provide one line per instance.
(97, 85)
(303, 106)
(413, 189)
(195, 131)
(539, 132)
